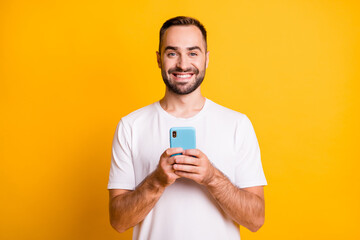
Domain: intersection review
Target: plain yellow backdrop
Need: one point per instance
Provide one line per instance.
(69, 70)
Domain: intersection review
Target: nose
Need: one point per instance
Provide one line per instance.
(182, 63)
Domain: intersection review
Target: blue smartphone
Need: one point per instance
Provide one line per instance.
(183, 137)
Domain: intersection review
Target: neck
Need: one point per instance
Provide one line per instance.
(183, 106)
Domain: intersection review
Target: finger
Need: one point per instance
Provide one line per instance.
(183, 159)
(194, 152)
(188, 175)
(171, 160)
(185, 168)
(171, 151)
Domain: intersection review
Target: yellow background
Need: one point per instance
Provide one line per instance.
(69, 70)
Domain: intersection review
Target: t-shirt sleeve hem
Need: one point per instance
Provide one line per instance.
(251, 184)
(120, 186)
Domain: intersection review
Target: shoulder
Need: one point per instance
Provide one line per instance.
(139, 115)
(226, 113)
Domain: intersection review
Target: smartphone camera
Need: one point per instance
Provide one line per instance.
(174, 134)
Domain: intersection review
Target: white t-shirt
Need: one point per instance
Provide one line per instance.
(186, 210)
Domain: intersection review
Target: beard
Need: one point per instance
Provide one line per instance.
(183, 88)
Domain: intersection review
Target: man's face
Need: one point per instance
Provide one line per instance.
(183, 59)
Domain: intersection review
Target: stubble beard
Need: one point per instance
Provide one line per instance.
(178, 88)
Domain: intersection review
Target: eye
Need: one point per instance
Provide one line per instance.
(193, 54)
(171, 54)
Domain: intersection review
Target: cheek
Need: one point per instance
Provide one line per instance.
(168, 64)
(199, 65)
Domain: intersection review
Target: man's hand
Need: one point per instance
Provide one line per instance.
(244, 206)
(128, 208)
(195, 165)
(164, 173)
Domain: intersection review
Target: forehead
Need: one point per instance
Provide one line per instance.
(183, 37)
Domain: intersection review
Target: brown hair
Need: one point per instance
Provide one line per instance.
(182, 21)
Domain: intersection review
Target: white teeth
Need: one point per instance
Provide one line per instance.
(183, 76)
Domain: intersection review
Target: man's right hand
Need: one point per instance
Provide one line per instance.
(164, 173)
(129, 207)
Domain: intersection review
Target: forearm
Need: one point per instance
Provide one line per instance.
(128, 209)
(245, 208)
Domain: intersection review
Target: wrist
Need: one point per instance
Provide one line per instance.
(217, 180)
(154, 183)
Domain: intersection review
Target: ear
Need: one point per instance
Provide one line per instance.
(158, 59)
(207, 58)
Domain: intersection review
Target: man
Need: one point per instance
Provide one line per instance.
(205, 193)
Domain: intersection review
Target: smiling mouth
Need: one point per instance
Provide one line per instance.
(182, 75)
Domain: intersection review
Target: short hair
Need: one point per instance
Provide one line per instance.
(182, 21)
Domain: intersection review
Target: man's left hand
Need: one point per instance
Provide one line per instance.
(195, 165)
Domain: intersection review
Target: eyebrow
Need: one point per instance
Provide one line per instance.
(194, 48)
(176, 48)
(171, 48)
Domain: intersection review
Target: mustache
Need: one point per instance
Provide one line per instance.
(177, 69)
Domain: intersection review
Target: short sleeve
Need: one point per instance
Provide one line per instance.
(248, 170)
(121, 170)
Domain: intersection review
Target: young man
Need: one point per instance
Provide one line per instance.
(205, 193)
